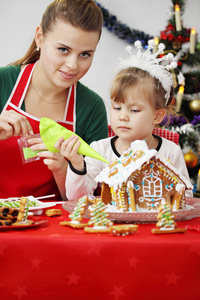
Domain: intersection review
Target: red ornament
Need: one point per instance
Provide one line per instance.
(173, 101)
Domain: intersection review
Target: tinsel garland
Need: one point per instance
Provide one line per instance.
(189, 132)
(123, 31)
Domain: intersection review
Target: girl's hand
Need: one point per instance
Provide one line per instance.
(13, 124)
(69, 149)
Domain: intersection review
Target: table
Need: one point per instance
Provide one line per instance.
(58, 262)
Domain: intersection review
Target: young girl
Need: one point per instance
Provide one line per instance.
(45, 83)
(139, 101)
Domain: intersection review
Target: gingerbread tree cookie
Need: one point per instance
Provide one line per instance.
(166, 223)
(23, 213)
(99, 218)
(77, 215)
(23, 209)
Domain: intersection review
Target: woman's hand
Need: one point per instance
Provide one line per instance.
(54, 161)
(13, 124)
(69, 149)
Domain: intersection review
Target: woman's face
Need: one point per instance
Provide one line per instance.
(66, 53)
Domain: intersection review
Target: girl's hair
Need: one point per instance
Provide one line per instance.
(151, 87)
(83, 14)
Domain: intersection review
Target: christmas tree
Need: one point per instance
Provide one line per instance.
(182, 42)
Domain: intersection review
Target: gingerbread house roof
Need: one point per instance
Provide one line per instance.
(141, 154)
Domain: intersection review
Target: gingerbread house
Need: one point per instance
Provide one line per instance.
(142, 180)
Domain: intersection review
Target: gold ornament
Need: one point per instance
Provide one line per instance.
(176, 45)
(195, 106)
(191, 159)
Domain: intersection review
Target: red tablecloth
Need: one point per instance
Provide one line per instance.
(57, 262)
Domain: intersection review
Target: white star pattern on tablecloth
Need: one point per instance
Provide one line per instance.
(73, 279)
(20, 292)
(117, 292)
(172, 278)
(2, 248)
(94, 248)
(194, 248)
(35, 262)
(133, 262)
(57, 235)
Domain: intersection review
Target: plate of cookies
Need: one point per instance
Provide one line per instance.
(30, 223)
(14, 218)
(36, 206)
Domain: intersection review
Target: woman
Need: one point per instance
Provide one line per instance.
(46, 84)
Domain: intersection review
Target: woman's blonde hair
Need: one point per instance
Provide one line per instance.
(83, 14)
(151, 87)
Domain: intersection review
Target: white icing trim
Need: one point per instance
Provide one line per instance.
(124, 173)
(130, 184)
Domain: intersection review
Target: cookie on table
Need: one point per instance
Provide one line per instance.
(166, 223)
(97, 229)
(77, 215)
(75, 225)
(161, 231)
(123, 229)
(53, 212)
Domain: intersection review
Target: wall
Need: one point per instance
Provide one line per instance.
(19, 18)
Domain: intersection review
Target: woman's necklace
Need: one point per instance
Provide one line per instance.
(44, 99)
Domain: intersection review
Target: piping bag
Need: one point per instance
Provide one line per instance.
(51, 131)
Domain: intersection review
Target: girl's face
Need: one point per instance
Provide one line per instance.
(135, 118)
(66, 53)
